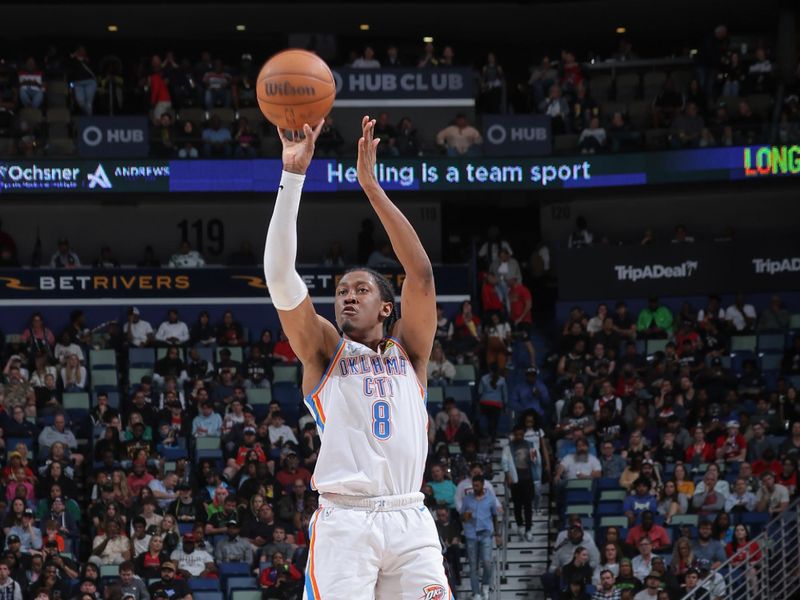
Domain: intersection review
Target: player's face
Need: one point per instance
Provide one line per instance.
(358, 306)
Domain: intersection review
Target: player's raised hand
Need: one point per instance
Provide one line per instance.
(367, 152)
(299, 150)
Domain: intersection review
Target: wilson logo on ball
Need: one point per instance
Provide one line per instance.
(284, 88)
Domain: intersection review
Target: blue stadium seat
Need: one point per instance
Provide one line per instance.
(609, 508)
(608, 483)
(204, 593)
(460, 393)
(230, 569)
(775, 340)
(141, 357)
(579, 497)
(234, 583)
(198, 584)
(286, 393)
(206, 353)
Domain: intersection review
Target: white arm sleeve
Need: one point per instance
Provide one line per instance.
(286, 288)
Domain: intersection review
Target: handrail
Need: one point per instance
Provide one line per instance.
(501, 557)
(768, 569)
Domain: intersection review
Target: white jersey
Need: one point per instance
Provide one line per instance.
(371, 415)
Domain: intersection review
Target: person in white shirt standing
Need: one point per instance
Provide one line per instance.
(173, 332)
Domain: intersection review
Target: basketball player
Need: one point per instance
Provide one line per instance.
(371, 537)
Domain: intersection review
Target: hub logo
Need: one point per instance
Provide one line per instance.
(630, 273)
(433, 592)
(99, 179)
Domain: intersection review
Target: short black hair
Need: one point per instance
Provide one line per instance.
(387, 292)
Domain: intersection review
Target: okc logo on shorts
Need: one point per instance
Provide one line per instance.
(433, 592)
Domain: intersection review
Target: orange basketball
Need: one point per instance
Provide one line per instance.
(295, 87)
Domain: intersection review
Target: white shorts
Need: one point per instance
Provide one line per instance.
(374, 548)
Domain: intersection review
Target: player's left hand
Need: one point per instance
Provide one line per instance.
(367, 152)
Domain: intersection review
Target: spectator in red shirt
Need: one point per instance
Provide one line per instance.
(467, 333)
(283, 350)
(768, 462)
(230, 332)
(31, 84)
(292, 471)
(281, 580)
(741, 549)
(649, 529)
(700, 451)
(250, 445)
(490, 299)
(139, 478)
(571, 74)
(731, 447)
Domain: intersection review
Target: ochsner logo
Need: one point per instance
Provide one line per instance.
(631, 273)
(773, 266)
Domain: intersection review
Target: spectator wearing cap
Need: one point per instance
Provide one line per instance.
(186, 508)
(232, 548)
(639, 501)
(64, 257)
(731, 447)
(712, 583)
(29, 535)
(648, 528)
(208, 423)
(257, 369)
(772, 497)
(191, 561)
(131, 584)
(138, 332)
(168, 586)
(291, 471)
(530, 394)
(111, 547)
(652, 584)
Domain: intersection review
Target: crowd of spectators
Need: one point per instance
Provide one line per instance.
(207, 107)
(667, 419)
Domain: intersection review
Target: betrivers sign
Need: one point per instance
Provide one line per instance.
(633, 273)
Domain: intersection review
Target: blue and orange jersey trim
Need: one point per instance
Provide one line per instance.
(312, 400)
(312, 589)
(422, 391)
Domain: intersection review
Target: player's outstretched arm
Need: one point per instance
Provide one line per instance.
(418, 326)
(312, 337)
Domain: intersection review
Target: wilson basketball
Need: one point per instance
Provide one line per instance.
(295, 87)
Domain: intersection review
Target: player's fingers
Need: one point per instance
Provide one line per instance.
(364, 121)
(375, 143)
(318, 128)
(281, 134)
(308, 133)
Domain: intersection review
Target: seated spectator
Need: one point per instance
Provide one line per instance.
(639, 501)
(440, 370)
(772, 497)
(444, 490)
(111, 547)
(686, 128)
(330, 141)
(138, 332)
(746, 124)
(460, 138)
(760, 75)
(64, 258)
(387, 134)
(654, 321)
(592, 138)
(556, 107)
(605, 586)
(257, 369)
(648, 528)
(407, 142)
(740, 317)
(173, 331)
(31, 84)
(187, 140)
(584, 109)
(169, 586)
(705, 547)
(163, 137)
(233, 548)
(579, 465)
(216, 139)
(578, 570)
(186, 258)
(27, 534)
(281, 580)
(283, 352)
(244, 83)
(192, 562)
(775, 316)
(642, 563)
(245, 141)
(229, 331)
(621, 136)
(666, 104)
(366, 60)
(531, 394)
